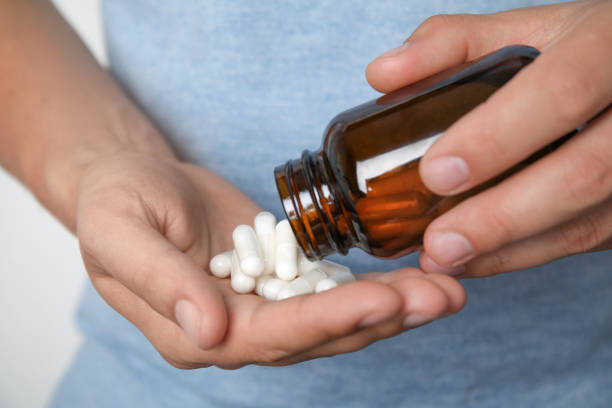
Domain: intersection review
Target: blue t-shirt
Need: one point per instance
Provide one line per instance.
(242, 86)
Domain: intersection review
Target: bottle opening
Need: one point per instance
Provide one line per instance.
(308, 197)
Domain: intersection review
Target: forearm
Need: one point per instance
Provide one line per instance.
(59, 110)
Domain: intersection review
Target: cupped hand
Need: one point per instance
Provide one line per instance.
(559, 205)
(147, 230)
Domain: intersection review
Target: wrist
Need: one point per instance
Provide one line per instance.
(53, 174)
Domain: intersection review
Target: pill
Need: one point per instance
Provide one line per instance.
(313, 277)
(221, 264)
(260, 283)
(265, 224)
(333, 281)
(239, 281)
(248, 251)
(331, 268)
(272, 287)
(304, 264)
(298, 286)
(286, 252)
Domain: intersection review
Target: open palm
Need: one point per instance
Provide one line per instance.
(147, 230)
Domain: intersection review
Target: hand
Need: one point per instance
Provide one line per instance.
(148, 228)
(561, 204)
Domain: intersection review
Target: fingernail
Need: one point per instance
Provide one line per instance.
(416, 320)
(451, 248)
(430, 266)
(188, 317)
(394, 52)
(373, 320)
(445, 174)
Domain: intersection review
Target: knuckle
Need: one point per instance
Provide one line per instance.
(283, 363)
(378, 332)
(273, 355)
(261, 350)
(159, 290)
(496, 263)
(580, 235)
(436, 22)
(265, 353)
(454, 24)
(145, 283)
(586, 177)
(490, 139)
(572, 95)
(499, 227)
(182, 364)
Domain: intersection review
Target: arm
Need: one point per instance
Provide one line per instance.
(148, 224)
(59, 110)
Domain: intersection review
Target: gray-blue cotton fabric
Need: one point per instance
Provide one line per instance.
(242, 86)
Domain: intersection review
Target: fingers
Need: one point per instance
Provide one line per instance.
(563, 88)
(426, 298)
(301, 323)
(447, 296)
(430, 266)
(143, 261)
(553, 190)
(298, 329)
(444, 41)
(589, 232)
(455, 293)
(261, 332)
(168, 338)
(438, 43)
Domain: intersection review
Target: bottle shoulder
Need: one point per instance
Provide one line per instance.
(397, 128)
(512, 58)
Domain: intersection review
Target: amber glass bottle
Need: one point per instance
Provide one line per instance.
(363, 189)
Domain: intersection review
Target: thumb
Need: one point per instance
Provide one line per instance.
(169, 281)
(444, 41)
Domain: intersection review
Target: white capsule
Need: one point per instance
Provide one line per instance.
(240, 282)
(331, 268)
(304, 264)
(221, 264)
(298, 286)
(270, 256)
(265, 224)
(273, 287)
(333, 281)
(248, 251)
(260, 283)
(314, 277)
(286, 252)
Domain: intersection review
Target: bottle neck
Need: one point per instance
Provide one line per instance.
(314, 205)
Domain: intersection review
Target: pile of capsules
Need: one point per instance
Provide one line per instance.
(267, 259)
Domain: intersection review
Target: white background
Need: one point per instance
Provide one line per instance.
(41, 274)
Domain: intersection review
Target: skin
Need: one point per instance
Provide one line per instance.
(560, 205)
(148, 223)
